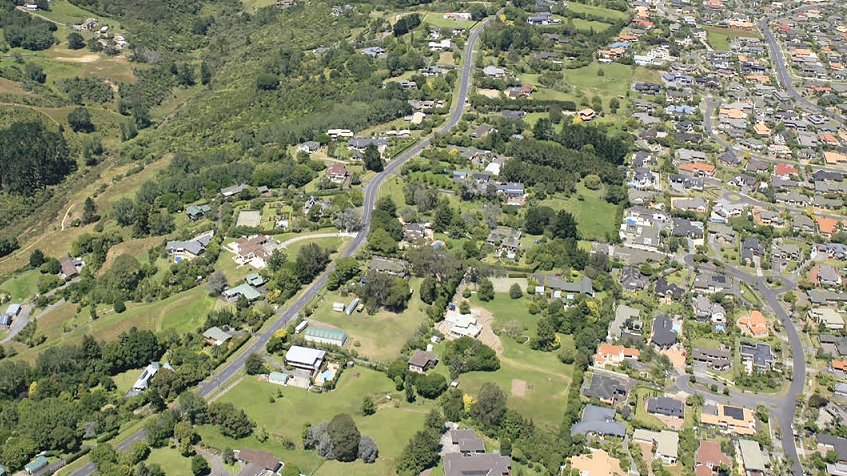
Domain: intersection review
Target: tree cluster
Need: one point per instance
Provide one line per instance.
(340, 439)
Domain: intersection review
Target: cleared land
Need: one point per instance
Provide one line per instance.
(595, 216)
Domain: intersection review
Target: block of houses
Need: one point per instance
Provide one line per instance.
(665, 406)
(738, 420)
(606, 388)
(753, 325)
(421, 361)
(614, 355)
(754, 461)
(321, 335)
(665, 443)
(830, 318)
(714, 358)
(305, 358)
(710, 456)
(599, 421)
(597, 463)
(758, 357)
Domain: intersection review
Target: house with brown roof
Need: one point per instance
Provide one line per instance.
(337, 173)
(421, 361)
(754, 325)
(738, 420)
(608, 354)
(257, 462)
(710, 456)
(597, 463)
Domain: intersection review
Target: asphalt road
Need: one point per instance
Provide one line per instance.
(783, 407)
(784, 75)
(218, 380)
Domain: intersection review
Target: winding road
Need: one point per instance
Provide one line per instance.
(782, 406)
(209, 386)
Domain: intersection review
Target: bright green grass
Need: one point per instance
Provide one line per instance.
(173, 463)
(706, 342)
(641, 407)
(595, 216)
(614, 82)
(599, 11)
(125, 380)
(22, 286)
(381, 336)
(391, 427)
(333, 243)
(437, 19)
(307, 461)
(645, 74)
(718, 41)
(587, 25)
(546, 377)
(65, 12)
(393, 187)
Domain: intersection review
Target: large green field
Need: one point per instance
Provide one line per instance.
(437, 19)
(22, 286)
(596, 218)
(588, 25)
(173, 463)
(379, 336)
(391, 427)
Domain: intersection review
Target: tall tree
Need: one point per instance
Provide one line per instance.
(344, 436)
(565, 225)
(29, 162)
(490, 405)
(372, 158)
(89, 212)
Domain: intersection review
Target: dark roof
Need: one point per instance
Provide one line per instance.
(663, 288)
(600, 421)
(666, 406)
(605, 387)
(838, 444)
(760, 354)
(456, 464)
(663, 333)
(422, 359)
(736, 413)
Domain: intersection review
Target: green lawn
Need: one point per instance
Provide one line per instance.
(437, 19)
(642, 394)
(380, 336)
(391, 427)
(173, 463)
(718, 40)
(706, 343)
(596, 218)
(599, 11)
(22, 286)
(587, 25)
(547, 379)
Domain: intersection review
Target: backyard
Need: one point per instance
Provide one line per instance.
(596, 218)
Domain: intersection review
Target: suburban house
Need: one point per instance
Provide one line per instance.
(196, 212)
(258, 462)
(599, 421)
(709, 455)
(36, 465)
(305, 358)
(216, 336)
(824, 275)
(608, 354)
(504, 239)
(462, 324)
(254, 249)
(248, 292)
(633, 280)
(597, 463)
(664, 334)
(665, 406)
(321, 335)
(626, 326)
(467, 442)
(309, 147)
(606, 388)
(754, 325)
(560, 288)
(832, 319)
(754, 461)
(710, 283)
(758, 357)
(337, 173)
(734, 419)
(665, 443)
(488, 464)
(390, 266)
(143, 380)
(421, 361)
(189, 249)
(714, 358)
(227, 192)
(70, 267)
(668, 292)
